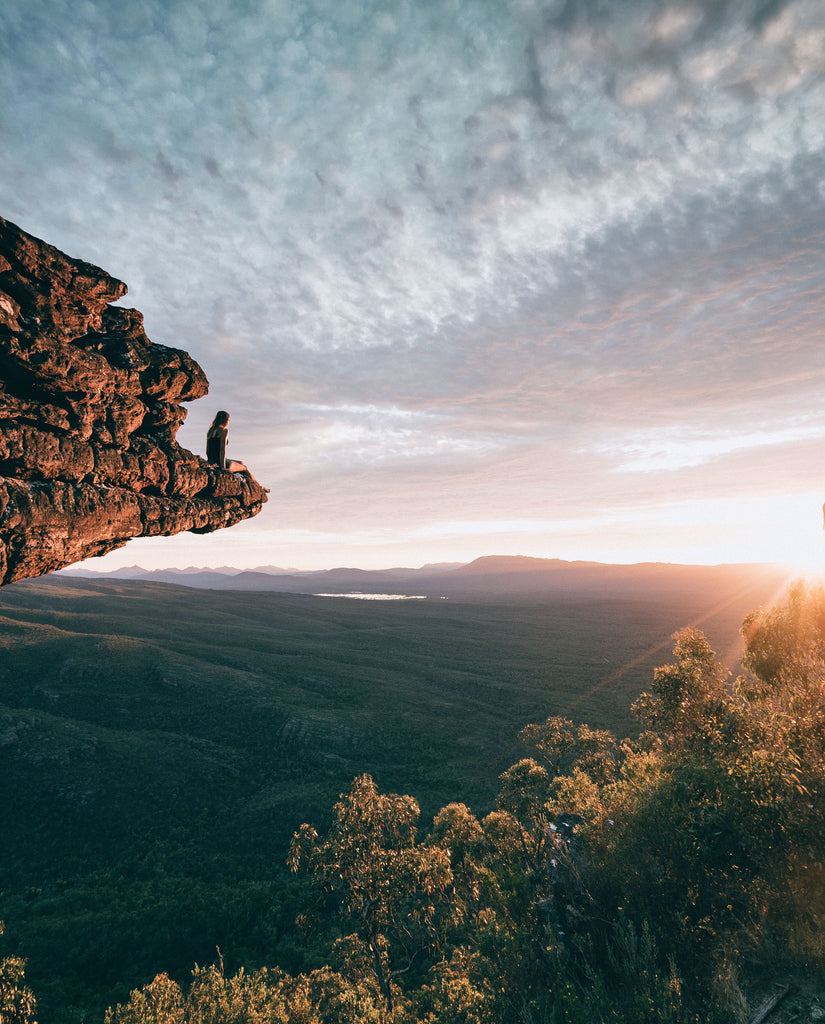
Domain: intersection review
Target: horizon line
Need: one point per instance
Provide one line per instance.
(272, 569)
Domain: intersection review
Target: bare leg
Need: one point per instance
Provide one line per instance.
(233, 466)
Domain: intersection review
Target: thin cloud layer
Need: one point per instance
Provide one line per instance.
(493, 256)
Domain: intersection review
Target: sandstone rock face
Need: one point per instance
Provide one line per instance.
(89, 410)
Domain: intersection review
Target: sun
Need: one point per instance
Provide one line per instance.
(809, 566)
(793, 535)
(778, 529)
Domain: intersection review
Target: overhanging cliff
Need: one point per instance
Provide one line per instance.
(89, 410)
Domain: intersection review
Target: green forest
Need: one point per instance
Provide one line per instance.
(660, 873)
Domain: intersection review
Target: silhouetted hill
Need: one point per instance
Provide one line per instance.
(533, 577)
(507, 564)
(490, 578)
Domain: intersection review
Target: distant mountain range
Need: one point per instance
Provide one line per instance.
(486, 578)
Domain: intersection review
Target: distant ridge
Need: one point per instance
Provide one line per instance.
(518, 563)
(489, 578)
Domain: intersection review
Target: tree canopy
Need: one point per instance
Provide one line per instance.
(617, 878)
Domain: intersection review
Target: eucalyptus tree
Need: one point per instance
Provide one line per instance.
(395, 893)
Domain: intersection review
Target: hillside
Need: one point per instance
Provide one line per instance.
(161, 744)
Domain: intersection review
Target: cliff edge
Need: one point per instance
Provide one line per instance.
(89, 410)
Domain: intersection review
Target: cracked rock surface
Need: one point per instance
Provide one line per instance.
(89, 410)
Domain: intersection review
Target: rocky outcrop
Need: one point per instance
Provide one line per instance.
(89, 410)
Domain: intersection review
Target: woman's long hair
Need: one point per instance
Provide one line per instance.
(220, 420)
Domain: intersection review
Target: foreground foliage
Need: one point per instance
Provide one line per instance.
(617, 880)
(153, 775)
(17, 1002)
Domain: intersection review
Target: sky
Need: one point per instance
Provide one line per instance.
(537, 277)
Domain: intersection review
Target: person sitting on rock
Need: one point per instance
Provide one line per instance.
(216, 439)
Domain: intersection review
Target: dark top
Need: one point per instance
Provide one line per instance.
(216, 446)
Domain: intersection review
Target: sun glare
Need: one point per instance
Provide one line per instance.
(788, 530)
(778, 529)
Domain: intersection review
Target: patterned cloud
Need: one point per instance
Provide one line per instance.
(510, 253)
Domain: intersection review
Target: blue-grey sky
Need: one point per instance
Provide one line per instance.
(471, 276)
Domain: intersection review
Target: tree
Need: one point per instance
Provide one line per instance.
(396, 893)
(17, 1003)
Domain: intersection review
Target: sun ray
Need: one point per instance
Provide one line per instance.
(729, 658)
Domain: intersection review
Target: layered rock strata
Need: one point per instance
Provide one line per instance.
(89, 410)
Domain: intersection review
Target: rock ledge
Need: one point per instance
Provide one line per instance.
(89, 410)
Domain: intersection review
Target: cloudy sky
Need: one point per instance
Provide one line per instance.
(539, 277)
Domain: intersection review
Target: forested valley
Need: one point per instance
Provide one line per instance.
(663, 865)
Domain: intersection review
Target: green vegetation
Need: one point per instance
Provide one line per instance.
(17, 1003)
(609, 875)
